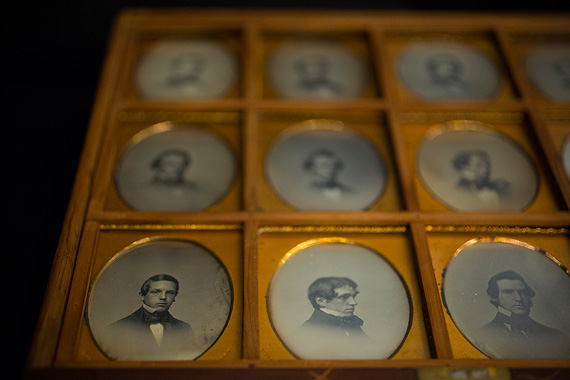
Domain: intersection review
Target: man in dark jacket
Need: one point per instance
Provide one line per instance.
(151, 332)
(333, 331)
(474, 168)
(513, 333)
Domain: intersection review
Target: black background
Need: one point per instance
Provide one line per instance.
(52, 54)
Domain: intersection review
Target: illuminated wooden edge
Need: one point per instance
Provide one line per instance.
(498, 229)
(334, 229)
(178, 116)
(170, 227)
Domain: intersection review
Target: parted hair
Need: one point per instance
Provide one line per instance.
(325, 287)
(158, 277)
(308, 162)
(171, 152)
(462, 160)
(493, 288)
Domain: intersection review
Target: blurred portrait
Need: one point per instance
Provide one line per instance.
(161, 299)
(169, 168)
(323, 302)
(470, 167)
(566, 155)
(562, 68)
(313, 76)
(512, 303)
(440, 70)
(174, 167)
(474, 170)
(184, 73)
(311, 69)
(446, 71)
(325, 168)
(548, 69)
(186, 69)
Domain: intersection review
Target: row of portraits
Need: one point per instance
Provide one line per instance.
(431, 70)
(323, 165)
(328, 299)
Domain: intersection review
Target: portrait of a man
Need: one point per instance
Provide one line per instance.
(159, 299)
(152, 332)
(169, 168)
(314, 69)
(314, 77)
(466, 165)
(440, 69)
(548, 69)
(323, 167)
(185, 70)
(513, 333)
(324, 303)
(474, 170)
(174, 167)
(509, 299)
(446, 71)
(333, 324)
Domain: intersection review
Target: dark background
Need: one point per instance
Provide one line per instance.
(52, 53)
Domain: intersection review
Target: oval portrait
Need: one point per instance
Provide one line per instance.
(174, 167)
(316, 70)
(321, 165)
(470, 167)
(566, 155)
(509, 299)
(548, 68)
(334, 299)
(186, 69)
(160, 299)
(448, 71)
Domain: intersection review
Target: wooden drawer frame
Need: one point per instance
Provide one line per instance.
(87, 215)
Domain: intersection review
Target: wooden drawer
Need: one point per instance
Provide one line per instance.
(314, 142)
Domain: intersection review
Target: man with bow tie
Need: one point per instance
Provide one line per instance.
(513, 333)
(333, 331)
(151, 332)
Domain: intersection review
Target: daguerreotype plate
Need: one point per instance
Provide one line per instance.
(171, 167)
(132, 313)
(548, 68)
(186, 69)
(448, 71)
(316, 70)
(566, 155)
(509, 299)
(470, 167)
(334, 299)
(322, 165)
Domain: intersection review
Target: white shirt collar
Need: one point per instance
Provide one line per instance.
(504, 311)
(333, 312)
(148, 308)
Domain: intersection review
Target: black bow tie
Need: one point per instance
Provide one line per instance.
(517, 323)
(352, 320)
(152, 318)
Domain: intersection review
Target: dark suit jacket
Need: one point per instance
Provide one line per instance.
(326, 336)
(533, 341)
(133, 339)
(340, 327)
